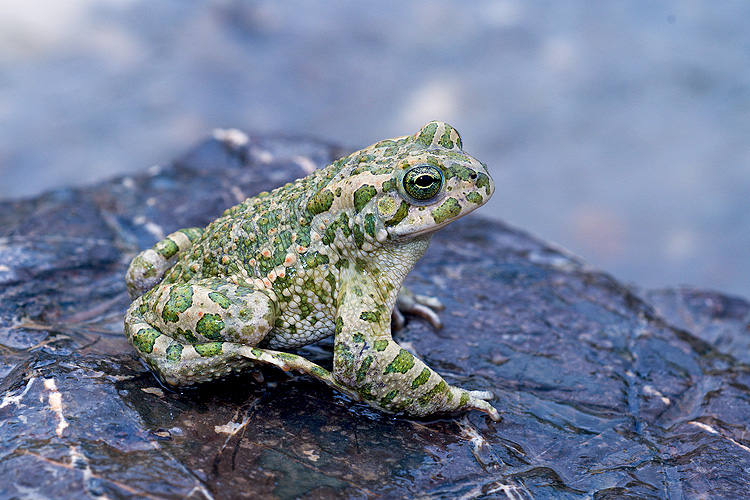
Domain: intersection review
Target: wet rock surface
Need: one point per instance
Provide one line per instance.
(606, 392)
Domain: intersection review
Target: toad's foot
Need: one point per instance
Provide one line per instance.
(478, 401)
(423, 306)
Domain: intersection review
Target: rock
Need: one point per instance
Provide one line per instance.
(605, 391)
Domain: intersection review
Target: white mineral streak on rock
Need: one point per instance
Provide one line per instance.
(55, 404)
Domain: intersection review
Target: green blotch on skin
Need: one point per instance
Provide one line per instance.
(421, 379)
(366, 392)
(370, 225)
(150, 270)
(389, 185)
(248, 330)
(362, 195)
(447, 134)
(385, 400)
(358, 338)
(331, 279)
(380, 345)
(180, 298)
(210, 326)
(483, 180)
(174, 352)
(449, 209)
(187, 335)
(359, 236)
(144, 339)
(166, 248)
(463, 173)
(220, 299)
(303, 232)
(385, 143)
(320, 372)
(342, 264)
(400, 214)
(464, 399)
(245, 313)
(362, 370)
(343, 359)
(389, 152)
(475, 198)
(427, 134)
(427, 397)
(445, 139)
(314, 259)
(402, 405)
(209, 349)
(369, 316)
(193, 233)
(402, 363)
(286, 356)
(320, 202)
(339, 325)
(341, 222)
(360, 265)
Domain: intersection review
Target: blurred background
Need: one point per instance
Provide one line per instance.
(618, 129)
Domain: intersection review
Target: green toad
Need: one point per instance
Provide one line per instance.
(325, 255)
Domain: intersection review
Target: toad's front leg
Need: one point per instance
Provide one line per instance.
(388, 377)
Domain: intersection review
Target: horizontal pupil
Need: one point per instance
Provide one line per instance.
(424, 181)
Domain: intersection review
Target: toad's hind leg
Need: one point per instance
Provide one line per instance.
(287, 361)
(186, 352)
(195, 332)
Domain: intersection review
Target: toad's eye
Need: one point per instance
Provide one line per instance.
(423, 182)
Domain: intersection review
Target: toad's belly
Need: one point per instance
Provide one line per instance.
(292, 333)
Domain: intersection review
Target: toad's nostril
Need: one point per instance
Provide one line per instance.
(473, 175)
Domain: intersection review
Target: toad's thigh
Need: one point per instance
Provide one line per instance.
(210, 311)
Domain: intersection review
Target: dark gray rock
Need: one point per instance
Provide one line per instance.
(605, 392)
